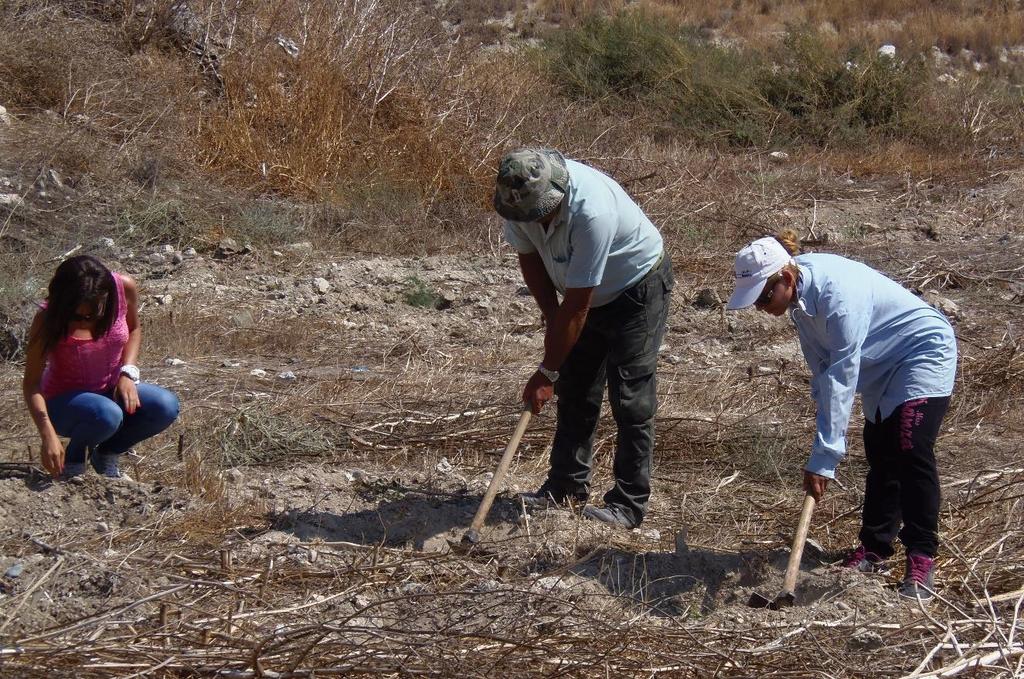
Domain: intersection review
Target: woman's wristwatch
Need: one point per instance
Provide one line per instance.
(552, 375)
(132, 371)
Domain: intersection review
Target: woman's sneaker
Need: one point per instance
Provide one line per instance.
(866, 562)
(107, 465)
(919, 580)
(73, 472)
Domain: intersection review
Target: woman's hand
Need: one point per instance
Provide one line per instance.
(128, 394)
(537, 392)
(815, 484)
(52, 454)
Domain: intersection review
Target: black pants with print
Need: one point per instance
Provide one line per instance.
(903, 480)
(618, 346)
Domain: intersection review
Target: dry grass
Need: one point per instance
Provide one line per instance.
(983, 27)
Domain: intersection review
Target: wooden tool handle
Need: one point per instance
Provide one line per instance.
(789, 582)
(499, 474)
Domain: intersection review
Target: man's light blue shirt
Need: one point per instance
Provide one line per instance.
(863, 332)
(600, 238)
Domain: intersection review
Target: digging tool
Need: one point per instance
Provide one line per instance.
(787, 596)
(472, 536)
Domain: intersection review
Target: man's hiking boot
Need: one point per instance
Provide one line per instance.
(919, 580)
(866, 562)
(550, 495)
(613, 515)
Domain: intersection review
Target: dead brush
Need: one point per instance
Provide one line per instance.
(993, 381)
(356, 106)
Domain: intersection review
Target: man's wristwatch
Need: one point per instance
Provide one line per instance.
(552, 375)
(132, 371)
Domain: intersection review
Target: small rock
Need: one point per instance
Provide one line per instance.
(230, 363)
(361, 601)
(5, 117)
(166, 249)
(164, 299)
(362, 476)
(177, 258)
(53, 178)
(938, 56)
(234, 477)
(227, 248)
(866, 640)
(107, 243)
(15, 570)
(444, 466)
(157, 259)
(948, 307)
(258, 372)
(778, 156)
(189, 252)
(287, 375)
(552, 583)
(11, 199)
(243, 319)
(887, 51)
(487, 586)
(413, 588)
(173, 362)
(102, 527)
(288, 45)
(321, 286)
(304, 246)
(652, 534)
(708, 298)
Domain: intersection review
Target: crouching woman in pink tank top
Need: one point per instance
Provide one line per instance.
(81, 381)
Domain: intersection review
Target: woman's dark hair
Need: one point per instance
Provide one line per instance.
(77, 281)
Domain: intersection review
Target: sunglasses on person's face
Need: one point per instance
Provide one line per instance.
(766, 295)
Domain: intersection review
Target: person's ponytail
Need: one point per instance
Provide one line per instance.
(789, 239)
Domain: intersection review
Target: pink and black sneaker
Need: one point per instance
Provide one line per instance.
(866, 562)
(919, 580)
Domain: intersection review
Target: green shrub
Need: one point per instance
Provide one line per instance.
(160, 221)
(265, 223)
(418, 294)
(824, 97)
(637, 58)
(806, 91)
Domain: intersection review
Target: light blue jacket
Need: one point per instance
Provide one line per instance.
(863, 332)
(600, 239)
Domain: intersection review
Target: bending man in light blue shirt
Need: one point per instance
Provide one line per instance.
(580, 236)
(863, 332)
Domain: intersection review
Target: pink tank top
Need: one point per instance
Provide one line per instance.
(81, 364)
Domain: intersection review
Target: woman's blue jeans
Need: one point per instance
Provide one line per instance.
(97, 421)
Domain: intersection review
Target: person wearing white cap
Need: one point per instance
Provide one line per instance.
(862, 332)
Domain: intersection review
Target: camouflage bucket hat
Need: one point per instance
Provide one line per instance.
(530, 184)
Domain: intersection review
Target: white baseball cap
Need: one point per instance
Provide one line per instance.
(755, 264)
